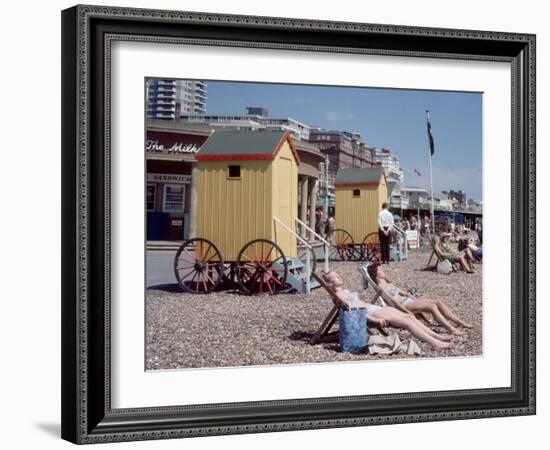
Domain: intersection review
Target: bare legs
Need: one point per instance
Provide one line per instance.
(469, 257)
(441, 313)
(465, 264)
(398, 319)
(431, 332)
(449, 314)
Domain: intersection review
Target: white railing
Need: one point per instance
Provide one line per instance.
(308, 253)
(326, 244)
(402, 246)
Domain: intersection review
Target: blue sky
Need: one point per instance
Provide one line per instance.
(390, 118)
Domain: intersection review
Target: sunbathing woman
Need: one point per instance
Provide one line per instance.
(406, 302)
(389, 316)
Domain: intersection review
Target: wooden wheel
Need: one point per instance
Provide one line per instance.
(261, 268)
(229, 272)
(343, 247)
(198, 266)
(371, 247)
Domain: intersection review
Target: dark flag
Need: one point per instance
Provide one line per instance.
(430, 134)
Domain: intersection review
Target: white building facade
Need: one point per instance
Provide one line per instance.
(255, 118)
(392, 170)
(416, 197)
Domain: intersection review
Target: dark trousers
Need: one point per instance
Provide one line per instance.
(384, 246)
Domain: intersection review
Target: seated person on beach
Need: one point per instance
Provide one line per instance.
(469, 247)
(477, 252)
(406, 302)
(464, 259)
(457, 237)
(384, 316)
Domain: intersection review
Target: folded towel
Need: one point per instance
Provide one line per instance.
(389, 345)
(413, 348)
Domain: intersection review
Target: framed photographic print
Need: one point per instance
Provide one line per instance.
(280, 224)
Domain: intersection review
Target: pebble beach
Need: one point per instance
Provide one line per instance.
(229, 329)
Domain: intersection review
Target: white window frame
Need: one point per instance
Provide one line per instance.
(165, 187)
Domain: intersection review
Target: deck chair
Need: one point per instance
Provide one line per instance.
(386, 299)
(430, 239)
(323, 334)
(433, 240)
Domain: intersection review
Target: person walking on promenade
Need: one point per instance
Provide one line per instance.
(412, 221)
(385, 228)
(427, 225)
(329, 227)
(318, 220)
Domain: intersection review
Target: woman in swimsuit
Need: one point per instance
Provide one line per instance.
(409, 303)
(388, 316)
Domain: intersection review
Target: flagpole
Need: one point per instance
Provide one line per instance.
(431, 177)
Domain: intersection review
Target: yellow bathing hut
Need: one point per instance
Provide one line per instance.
(359, 197)
(245, 180)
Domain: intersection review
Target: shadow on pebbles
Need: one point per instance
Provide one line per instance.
(229, 329)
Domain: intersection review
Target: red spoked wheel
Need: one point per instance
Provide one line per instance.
(371, 247)
(343, 246)
(198, 266)
(261, 268)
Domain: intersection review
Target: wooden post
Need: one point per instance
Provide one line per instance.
(303, 204)
(312, 204)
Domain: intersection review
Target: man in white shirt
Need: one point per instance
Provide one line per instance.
(385, 228)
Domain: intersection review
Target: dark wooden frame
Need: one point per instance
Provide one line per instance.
(87, 32)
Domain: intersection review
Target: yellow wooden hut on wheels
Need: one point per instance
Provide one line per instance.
(360, 193)
(246, 178)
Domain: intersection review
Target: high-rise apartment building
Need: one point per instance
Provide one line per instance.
(168, 99)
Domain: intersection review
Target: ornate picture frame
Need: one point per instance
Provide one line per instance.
(88, 33)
